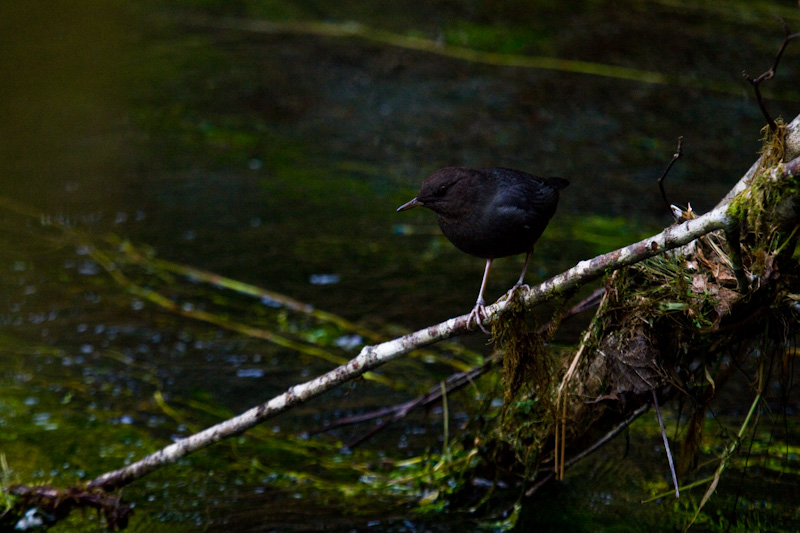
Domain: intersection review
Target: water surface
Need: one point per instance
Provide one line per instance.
(278, 159)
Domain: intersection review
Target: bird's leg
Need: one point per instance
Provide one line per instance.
(524, 269)
(520, 282)
(478, 313)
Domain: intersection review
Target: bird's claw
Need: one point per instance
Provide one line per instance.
(512, 292)
(477, 317)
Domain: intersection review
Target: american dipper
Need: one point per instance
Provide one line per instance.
(489, 213)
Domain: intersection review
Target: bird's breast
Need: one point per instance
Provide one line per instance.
(491, 236)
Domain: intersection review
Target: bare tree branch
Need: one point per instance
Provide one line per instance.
(768, 75)
(371, 357)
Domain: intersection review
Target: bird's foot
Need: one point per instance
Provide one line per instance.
(521, 288)
(477, 317)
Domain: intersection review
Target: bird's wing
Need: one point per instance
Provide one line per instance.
(524, 192)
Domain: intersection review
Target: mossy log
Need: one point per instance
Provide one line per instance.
(676, 324)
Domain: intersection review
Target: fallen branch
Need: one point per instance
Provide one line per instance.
(371, 357)
(54, 504)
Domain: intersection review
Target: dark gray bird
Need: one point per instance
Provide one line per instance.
(490, 213)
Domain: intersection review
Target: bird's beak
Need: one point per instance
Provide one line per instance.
(408, 205)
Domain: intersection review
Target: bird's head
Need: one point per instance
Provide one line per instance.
(443, 191)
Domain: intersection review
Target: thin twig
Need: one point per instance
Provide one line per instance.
(678, 153)
(463, 378)
(602, 441)
(608, 436)
(768, 75)
(666, 445)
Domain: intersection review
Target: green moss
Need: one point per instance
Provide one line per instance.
(759, 207)
(526, 361)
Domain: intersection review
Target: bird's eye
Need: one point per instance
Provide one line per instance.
(442, 189)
